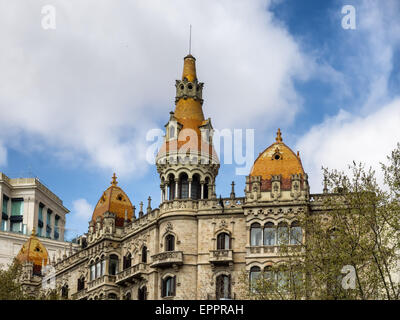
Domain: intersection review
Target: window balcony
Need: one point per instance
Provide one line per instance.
(129, 274)
(80, 295)
(103, 280)
(167, 259)
(221, 257)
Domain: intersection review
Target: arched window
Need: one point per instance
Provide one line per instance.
(98, 268)
(112, 296)
(168, 287)
(282, 278)
(171, 184)
(223, 241)
(296, 234)
(268, 274)
(113, 265)
(255, 273)
(223, 287)
(169, 243)
(255, 235)
(196, 187)
(183, 186)
(93, 272)
(81, 283)
(283, 233)
(127, 261)
(144, 254)
(269, 234)
(64, 291)
(206, 184)
(142, 293)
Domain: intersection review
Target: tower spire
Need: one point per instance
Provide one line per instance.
(190, 40)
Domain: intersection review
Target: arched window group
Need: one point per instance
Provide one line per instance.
(223, 287)
(184, 187)
(223, 241)
(98, 268)
(169, 242)
(270, 235)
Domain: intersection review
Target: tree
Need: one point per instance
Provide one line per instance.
(10, 288)
(351, 244)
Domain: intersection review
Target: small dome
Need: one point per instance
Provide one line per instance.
(277, 159)
(33, 251)
(114, 200)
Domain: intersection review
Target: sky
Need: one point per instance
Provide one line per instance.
(77, 100)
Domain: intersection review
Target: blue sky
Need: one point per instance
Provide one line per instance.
(76, 102)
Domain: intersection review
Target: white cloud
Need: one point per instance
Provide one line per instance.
(341, 139)
(88, 91)
(82, 210)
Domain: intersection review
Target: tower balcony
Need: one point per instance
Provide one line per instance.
(167, 259)
(221, 257)
(129, 274)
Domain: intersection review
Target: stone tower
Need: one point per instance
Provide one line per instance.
(187, 162)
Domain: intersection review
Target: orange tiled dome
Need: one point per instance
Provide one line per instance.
(33, 251)
(114, 200)
(277, 159)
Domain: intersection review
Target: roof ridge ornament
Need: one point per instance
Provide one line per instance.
(114, 181)
(278, 136)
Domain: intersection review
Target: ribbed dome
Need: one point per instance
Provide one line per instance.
(114, 200)
(277, 159)
(33, 251)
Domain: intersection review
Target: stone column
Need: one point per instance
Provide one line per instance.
(190, 188)
(166, 195)
(44, 214)
(162, 193)
(202, 189)
(176, 188)
(52, 224)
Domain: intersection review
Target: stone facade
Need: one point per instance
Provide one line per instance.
(194, 245)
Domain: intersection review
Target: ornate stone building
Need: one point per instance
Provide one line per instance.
(194, 245)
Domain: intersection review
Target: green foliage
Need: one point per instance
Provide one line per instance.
(10, 288)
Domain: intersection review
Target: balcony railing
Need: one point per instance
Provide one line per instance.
(271, 250)
(133, 272)
(106, 279)
(80, 294)
(222, 256)
(167, 259)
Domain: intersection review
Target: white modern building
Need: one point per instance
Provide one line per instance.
(26, 204)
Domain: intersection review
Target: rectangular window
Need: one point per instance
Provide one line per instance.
(17, 207)
(56, 232)
(5, 204)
